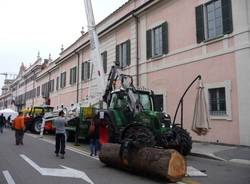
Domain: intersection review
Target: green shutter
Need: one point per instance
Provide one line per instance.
(117, 59)
(61, 80)
(200, 35)
(82, 71)
(75, 75)
(227, 16)
(52, 85)
(70, 80)
(57, 83)
(88, 67)
(64, 79)
(128, 53)
(104, 62)
(165, 38)
(149, 44)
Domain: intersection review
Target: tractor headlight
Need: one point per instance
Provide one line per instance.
(163, 125)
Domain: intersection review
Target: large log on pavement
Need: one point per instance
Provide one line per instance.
(164, 163)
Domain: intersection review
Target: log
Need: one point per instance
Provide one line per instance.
(167, 164)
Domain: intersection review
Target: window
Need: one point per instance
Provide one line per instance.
(104, 61)
(157, 41)
(72, 75)
(51, 85)
(86, 70)
(38, 91)
(123, 54)
(45, 90)
(217, 101)
(218, 96)
(57, 83)
(34, 93)
(158, 102)
(213, 19)
(63, 80)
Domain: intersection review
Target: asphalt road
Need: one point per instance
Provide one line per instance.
(35, 160)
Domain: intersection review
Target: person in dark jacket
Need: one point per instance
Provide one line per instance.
(9, 121)
(1, 123)
(93, 134)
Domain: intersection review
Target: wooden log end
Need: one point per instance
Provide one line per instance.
(177, 167)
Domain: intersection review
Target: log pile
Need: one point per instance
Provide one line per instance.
(167, 164)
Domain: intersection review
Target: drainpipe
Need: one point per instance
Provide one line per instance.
(77, 79)
(137, 48)
(49, 91)
(34, 73)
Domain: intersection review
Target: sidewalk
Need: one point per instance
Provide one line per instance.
(237, 154)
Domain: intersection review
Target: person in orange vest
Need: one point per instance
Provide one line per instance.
(18, 126)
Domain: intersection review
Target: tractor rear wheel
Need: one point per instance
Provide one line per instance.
(140, 136)
(37, 125)
(70, 135)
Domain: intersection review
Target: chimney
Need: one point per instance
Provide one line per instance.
(62, 48)
(82, 31)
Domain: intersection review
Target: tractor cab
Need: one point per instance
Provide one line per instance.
(120, 100)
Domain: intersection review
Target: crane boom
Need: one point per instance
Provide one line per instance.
(95, 50)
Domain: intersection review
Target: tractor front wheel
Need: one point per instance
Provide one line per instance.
(177, 138)
(184, 140)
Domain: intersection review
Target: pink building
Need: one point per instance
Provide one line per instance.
(164, 45)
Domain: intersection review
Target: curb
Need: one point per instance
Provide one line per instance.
(209, 156)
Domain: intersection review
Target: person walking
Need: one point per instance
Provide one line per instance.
(1, 123)
(60, 135)
(8, 122)
(93, 133)
(18, 126)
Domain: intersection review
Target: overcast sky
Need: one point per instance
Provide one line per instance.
(29, 26)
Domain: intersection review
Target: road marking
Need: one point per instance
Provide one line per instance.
(8, 177)
(187, 181)
(240, 161)
(32, 135)
(191, 171)
(85, 153)
(65, 172)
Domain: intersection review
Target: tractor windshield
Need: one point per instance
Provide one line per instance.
(118, 102)
(145, 101)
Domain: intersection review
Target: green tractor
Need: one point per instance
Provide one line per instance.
(132, 118)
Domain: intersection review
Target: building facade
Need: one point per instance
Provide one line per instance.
(164, 45)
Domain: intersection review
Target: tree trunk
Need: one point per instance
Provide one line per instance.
(164, 163)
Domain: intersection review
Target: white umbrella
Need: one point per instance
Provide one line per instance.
(9, 112)
(201, 120)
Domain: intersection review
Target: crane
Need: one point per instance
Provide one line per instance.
(95, 51)
(8, 74)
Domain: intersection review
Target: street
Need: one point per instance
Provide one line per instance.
(35, 162)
